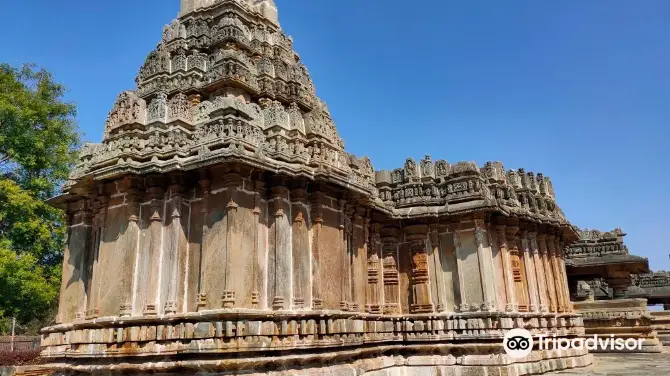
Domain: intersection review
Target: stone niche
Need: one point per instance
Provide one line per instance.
(221, 228)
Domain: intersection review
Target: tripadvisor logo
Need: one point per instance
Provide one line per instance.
(518, 343)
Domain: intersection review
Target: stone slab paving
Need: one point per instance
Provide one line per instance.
(625, 365)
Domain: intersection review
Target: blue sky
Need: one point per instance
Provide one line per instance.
(577, 90)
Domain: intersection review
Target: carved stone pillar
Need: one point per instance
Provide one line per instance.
(563, 278)
(133, 196)
(620, 281)
(300, 249)
(156, 211)
(518, 269)
(538, 270)
(565, 289)
(373, 291)
(100, 208)
(436, 273)
(556, 271)
(420, 281)
(129, 247)
(530, 271)
(391, 274)
(464, 304)
(317, 219)
(280, 244)
(233, 183)
(359, 249)
(174, 257)
(205, 185)
(548, 275)
(256, 270)
(73, 297)
(485, 267)
(510, 290)
(345, 241)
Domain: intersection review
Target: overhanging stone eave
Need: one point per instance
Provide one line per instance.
(632, 264)
(196, 162)
(71, 193)
(658, 292)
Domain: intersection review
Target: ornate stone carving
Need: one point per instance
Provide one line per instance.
(222, 262)
(157, 110)
(128, 109)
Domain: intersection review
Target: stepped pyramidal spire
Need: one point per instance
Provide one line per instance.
(222, 63)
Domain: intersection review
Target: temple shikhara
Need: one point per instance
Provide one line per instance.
(221, 228)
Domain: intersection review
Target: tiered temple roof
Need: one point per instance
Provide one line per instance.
(225, 84)
(596, 248)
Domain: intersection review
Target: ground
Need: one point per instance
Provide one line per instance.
(625, 365)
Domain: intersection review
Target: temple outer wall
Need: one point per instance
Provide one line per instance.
(157, 246)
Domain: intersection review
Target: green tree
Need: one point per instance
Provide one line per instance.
(38, 145)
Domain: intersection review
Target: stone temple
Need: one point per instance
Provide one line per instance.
(221, 228)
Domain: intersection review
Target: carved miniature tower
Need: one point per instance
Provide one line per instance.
(221, 224)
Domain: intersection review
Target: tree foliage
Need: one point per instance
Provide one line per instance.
(38, 145)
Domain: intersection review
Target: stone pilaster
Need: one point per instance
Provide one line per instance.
(374, 300)
(565, 289)
(485, 267)
(302, 294)
(436, 270)
(417, 248)
(155, 242)
(73, 297)
(100, 208)
(530, 271)
(256, 269)
(174, 258)
(122, 262)
(359, 257)
(133, 196)
(317, 219)
(345, 237)
(206, 186)
(538, 271)
(280, 245)
(391, 275)
(556, 272)
(547, 274)
(463, 303)
(510, 290)
(233, 183)
(518, 269)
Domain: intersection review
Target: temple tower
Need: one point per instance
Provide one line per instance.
(221, 216)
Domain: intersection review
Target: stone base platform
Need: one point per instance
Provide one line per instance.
(621, 318)
(322, 343)
(661, 323)
(539, 362)
(657, 364)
